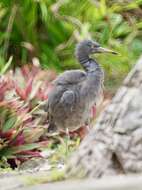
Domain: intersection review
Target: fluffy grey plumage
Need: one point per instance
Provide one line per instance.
(76, 91)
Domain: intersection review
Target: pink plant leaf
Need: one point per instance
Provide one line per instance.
(44, 143)
(20, 92)
(35, 70)
(25, 71)
(7, 135)
(19, 140)
(40, 94)
(28, 88)
(3, 88)
(30, 153)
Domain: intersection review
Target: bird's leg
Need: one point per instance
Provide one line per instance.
(67, 140)
(88, 128)
(89, 123)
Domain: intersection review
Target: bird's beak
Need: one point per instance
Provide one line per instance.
(105, 50)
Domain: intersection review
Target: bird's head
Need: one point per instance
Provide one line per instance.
(89, 47)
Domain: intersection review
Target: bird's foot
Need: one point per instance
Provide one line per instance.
(81, 132)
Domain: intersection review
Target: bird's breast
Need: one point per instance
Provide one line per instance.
(91, 90)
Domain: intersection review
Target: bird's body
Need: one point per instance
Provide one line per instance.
(75, 92)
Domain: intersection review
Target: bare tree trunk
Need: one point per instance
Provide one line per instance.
(114, 146)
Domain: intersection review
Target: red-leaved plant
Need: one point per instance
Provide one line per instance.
(22, 121)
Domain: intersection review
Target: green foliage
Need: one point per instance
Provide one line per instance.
(53, 27)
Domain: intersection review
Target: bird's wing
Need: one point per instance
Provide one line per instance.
(70, 77)
(67, 100)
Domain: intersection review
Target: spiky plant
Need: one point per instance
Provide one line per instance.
(22, 122)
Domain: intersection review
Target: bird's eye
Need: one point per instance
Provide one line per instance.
(96, 45)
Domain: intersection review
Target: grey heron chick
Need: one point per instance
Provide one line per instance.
(76, 91)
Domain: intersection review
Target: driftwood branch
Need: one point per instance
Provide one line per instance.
(114, 146)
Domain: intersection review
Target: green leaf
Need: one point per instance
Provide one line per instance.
(10, 151)
(7, 65)
(9, 124)
(105, 35)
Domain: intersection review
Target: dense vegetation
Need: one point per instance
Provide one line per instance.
(49, 29)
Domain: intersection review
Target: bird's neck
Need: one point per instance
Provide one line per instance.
(92, 88)
(89, 65)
